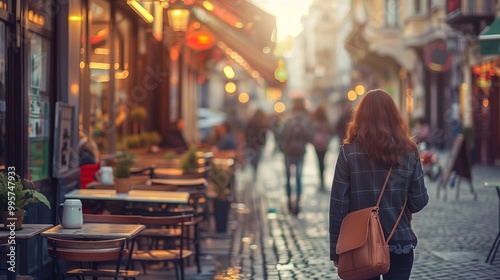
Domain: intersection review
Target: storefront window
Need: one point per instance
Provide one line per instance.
(122, 72)
(3, 70)
(99, 64)
(39, 109)
(40, 13)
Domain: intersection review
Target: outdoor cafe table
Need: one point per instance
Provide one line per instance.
(94, 231)
(169, 197)
(21, 236)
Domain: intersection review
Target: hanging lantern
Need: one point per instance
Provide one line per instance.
(200, 40)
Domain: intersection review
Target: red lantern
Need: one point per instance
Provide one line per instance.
(200, 40)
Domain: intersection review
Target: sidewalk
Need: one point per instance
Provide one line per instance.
(454, 235)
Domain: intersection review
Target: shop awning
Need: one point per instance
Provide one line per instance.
(489, 39)
(249, 42)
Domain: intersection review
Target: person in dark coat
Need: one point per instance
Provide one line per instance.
(377, 140)
(321, 140)
(295, 132)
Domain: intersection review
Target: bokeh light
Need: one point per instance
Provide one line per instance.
(230, 87)
(352, 95)
(279, 107)
(360, 90)
(243, 97)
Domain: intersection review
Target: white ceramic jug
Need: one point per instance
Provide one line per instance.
(105, 175)
(70, 213)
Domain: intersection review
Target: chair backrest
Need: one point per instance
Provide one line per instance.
(154, 187)
(180, 176)
(165, 220)
(85, 251)
(111, 219)
(182, 183)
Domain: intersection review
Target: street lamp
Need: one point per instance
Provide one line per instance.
(178, 19)
(178, 13)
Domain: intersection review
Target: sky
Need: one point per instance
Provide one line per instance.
(288, 14)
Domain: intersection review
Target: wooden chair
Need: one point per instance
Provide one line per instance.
(144, 208)
(111, 219)
(175, 253)
(197, 206)
(166, 175)
(90, 252)
(115, 219)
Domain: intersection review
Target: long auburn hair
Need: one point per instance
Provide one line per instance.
(378, 127)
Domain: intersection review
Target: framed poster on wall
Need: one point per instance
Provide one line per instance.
(63, 138)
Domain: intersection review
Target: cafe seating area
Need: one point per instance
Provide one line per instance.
(155, 225)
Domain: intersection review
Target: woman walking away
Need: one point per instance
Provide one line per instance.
(321, 140)
(377, 140)
(295, 132)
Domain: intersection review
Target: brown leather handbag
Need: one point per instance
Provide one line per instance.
(362, 249)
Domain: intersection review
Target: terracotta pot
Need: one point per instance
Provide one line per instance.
(122, 185)
(17, 218)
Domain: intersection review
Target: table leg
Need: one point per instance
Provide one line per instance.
(496, 244)
(129, 258)
(493, 250)
(132, 243)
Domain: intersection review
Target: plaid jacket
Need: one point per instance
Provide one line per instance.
(357, 186)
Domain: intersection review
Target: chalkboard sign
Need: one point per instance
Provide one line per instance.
(459, 162)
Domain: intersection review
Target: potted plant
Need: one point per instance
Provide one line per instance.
(15, 196)
(220, 180)
(123, 164)
(189, 162)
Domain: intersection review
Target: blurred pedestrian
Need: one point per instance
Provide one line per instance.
(274, 124)
(255, 138)
(377, 140)
(321, 140)
(295, 132)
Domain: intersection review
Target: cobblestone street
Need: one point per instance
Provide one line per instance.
(455, 236)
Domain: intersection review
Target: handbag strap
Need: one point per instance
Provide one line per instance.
(397, 222)
(383, 188)
(402, 210)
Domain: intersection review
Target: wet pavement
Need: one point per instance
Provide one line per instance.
(266, 242)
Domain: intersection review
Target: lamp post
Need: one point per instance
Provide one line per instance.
(178, 16)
